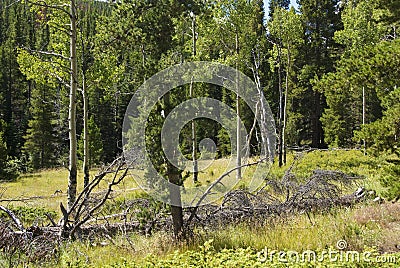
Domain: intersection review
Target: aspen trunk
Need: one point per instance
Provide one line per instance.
(72, 180)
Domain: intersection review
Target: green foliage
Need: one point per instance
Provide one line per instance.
(361, 26)
(30, 215)
(369, 69)
(8, 170)
(41, 140)
(273, 4)
(382, 135)
(207, 256)
(391, 181)
(147, 214)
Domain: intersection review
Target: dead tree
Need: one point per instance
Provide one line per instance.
(81, 210)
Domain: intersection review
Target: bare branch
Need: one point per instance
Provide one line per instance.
(14, 218)
(49, 53)
(101, 203)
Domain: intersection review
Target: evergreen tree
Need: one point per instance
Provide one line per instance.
(349, 90)
(320, 21)
(15, 30)
(141, 35)
(344, 88)
(8, 170)
(41, 140)
(274, 4)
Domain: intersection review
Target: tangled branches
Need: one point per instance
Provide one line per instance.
(87, 204)
(30, 245)
(322, 190)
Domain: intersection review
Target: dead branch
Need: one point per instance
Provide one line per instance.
(87, 204)
(48, 53)
(77, 224)
(14, 218)
(216, 182)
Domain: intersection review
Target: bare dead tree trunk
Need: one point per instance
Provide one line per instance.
(72, 180)
(260, 106)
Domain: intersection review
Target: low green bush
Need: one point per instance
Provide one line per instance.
(30, 215)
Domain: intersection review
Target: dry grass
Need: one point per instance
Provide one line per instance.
(386, 219)
(41, 189)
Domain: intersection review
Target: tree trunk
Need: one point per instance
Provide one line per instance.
(285, 106)
(194, 142)
(194, 138)
(72, 180)
(86, 153)
(280, 124)
(174, 177)
(239, 155)
(317, 132)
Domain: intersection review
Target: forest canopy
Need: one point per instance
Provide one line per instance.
(329, 71)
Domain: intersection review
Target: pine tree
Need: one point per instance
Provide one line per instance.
(41, 140)
(320, 20)
(15, 30)
(8, 171)
(274, 4)
(150, 39)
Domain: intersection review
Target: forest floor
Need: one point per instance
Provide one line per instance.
(366, 228)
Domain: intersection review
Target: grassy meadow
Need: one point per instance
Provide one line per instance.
(366, 227)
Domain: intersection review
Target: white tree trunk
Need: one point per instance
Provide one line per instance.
(72, 180)
(194, 137)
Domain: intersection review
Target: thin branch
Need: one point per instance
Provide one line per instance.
(49, 53)
(13, 3)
